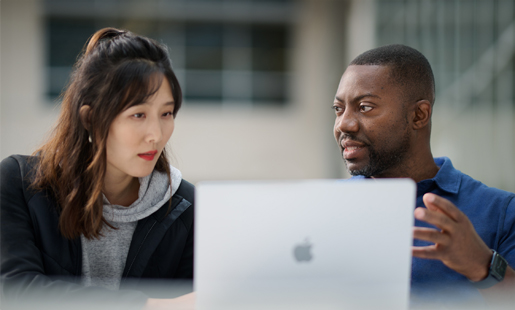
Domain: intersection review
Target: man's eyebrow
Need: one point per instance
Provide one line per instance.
(365, 96)
(359, 97)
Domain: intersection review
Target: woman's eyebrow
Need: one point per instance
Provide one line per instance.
(146, 103)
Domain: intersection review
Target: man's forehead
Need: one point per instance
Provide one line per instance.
(365, 70)
(369, 76)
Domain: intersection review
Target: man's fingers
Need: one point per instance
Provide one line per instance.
(438, 219)
(435, 202)
(428, 252)
(431, 235)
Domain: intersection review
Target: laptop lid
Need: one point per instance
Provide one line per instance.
(309, 244)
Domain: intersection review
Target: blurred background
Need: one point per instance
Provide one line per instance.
(259, 76)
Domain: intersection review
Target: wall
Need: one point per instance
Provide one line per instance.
(224, 142)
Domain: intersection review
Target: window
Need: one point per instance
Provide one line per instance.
(460, 38)
(222, 51)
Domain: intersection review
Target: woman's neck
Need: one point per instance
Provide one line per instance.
(121, 190)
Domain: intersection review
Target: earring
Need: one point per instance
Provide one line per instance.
(89, 139)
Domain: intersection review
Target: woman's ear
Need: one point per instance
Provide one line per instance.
(85, 112)
(422, 115)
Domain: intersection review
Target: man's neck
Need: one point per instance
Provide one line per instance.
(428, 170)
(419, 169)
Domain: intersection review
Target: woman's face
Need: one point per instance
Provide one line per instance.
(139, 134)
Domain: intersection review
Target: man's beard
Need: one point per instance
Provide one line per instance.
(382, 160)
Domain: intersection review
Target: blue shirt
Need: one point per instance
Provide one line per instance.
(491, 211)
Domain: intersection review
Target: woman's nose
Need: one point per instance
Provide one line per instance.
(154, 131)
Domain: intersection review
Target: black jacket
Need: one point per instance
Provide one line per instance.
(36, 260)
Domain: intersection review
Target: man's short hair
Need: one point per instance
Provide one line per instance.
(408, 67)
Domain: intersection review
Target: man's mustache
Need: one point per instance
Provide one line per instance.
(350, 137)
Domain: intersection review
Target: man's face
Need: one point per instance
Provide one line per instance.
(371, 126)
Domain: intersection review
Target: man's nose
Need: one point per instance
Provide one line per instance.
(347, 122)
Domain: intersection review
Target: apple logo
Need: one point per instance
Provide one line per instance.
(302, 252)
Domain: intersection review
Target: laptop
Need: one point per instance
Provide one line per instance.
(306, 244)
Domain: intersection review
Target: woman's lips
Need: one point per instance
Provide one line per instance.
(148, 155)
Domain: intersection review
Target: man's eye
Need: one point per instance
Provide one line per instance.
(365, 108)
(336, 109)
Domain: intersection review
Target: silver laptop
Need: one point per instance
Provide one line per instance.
(309, 244)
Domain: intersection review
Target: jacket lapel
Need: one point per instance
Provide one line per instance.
(148, 235)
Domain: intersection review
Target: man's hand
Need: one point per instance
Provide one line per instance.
(456, 242)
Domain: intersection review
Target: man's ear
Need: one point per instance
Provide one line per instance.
(85, 112)
(422, 114)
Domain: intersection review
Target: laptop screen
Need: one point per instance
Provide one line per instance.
(308, 243)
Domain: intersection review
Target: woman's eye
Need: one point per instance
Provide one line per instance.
(365, 108)
(138, 115)
(167, 114)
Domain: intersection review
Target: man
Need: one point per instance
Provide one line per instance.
(464, 231)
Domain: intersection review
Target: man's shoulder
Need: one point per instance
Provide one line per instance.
(482, 202)
(470, 186)
(477, 188)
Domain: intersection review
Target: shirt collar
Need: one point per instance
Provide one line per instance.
(447, 178)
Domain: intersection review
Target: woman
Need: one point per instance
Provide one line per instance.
(98, 205)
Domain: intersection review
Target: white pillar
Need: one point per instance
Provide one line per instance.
(25, 117)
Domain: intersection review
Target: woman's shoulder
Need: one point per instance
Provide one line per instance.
(15, 163)
(186, 190)
(16, 171)
(17, 167)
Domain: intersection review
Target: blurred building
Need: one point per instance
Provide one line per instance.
(259, 76)
(471, 47)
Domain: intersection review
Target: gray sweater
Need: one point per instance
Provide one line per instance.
(103, 260)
